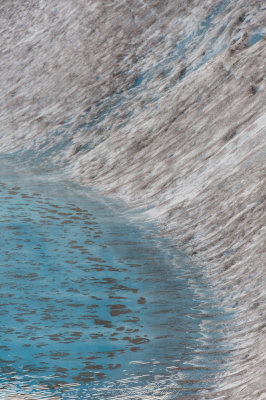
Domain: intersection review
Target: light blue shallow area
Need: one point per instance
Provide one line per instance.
(92, 305)
(255, 37)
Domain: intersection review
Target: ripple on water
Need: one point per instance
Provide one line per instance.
(93, 305)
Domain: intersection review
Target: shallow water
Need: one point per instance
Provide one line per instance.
(94, 305)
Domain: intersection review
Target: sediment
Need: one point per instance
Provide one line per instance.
(161, 104)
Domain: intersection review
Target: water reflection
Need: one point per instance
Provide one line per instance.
(93, 306)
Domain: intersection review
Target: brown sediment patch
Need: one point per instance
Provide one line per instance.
(106, 324)
(118, 309)
(13, 193)
(136, 340)
(57, 356)
(135, 349)
(96, 335)
(124, 288)
(89, 365)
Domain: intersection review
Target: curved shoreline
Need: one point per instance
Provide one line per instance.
(210, 198)
(157, 129)
(182, 323)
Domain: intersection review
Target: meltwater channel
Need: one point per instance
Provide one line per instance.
(93, 303)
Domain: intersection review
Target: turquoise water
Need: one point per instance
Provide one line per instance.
(255, 37)
(93, 305)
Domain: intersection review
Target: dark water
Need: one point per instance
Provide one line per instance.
(94, 306)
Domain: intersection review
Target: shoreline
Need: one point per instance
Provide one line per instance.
(135, 115)
(212, 201)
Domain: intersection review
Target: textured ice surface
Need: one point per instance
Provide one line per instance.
(161, 103)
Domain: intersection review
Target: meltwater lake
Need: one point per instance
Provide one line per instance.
(94, 304)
